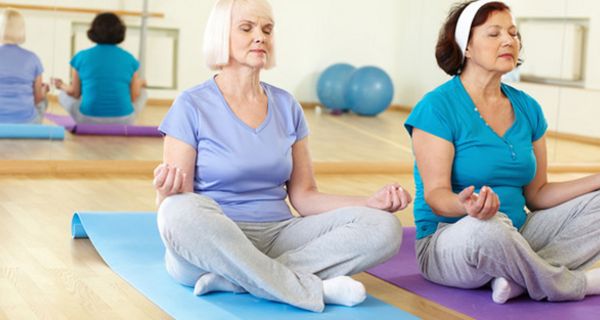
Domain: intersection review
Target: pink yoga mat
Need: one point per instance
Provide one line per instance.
(103, 129)
(402, 271)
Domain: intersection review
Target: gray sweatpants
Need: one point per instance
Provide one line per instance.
(71, 105)
(546, 256)
(280, 261)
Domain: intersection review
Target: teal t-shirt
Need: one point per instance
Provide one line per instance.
(105, 71)
(482, 157)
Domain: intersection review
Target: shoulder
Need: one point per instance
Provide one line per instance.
(27, 54)
(278, 94)
(440, 99)
(522, 99)
(199, 96)
(82, 54)
(124, 53)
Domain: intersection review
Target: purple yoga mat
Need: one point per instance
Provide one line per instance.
(103, 129)
(402, 271)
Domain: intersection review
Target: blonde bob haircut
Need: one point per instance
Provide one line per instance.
(218, 30)
(12, 27)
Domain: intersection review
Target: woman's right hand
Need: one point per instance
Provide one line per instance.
(168, 180)
(57, 83)
(481, 206)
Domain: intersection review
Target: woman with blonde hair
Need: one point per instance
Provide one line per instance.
(22, 91)
(235, 149)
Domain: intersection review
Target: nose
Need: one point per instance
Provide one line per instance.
(508, 39)
(259, 37)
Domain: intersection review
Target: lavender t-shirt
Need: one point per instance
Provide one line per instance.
(18, 70)
(243, 169)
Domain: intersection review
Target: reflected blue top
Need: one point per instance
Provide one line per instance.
(105, 71)
(18, 70)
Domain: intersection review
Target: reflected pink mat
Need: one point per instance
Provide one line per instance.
(402, 271)
(103, 129)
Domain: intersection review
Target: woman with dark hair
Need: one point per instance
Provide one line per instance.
(105, 85)
(481, 158)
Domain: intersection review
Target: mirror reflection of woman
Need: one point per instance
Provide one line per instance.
(22, 90)
(105, 85)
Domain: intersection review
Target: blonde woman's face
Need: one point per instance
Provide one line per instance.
(251, 40)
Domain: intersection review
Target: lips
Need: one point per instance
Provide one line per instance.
(506, 56)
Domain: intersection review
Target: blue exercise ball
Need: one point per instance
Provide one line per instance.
(332, 84)
(369, 91)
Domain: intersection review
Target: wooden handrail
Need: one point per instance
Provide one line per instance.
(78, 10)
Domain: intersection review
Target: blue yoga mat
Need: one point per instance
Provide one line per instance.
(130, 244)
(31, 131)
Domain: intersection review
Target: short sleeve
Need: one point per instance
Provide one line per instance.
(300, 124)
(539, 125)
(38, 69)
(182, 121)
(76, 60)
(135, 65)
(430, 116)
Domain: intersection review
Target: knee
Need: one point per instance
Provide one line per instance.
(385, 232)
(496, 231)
(178, 211)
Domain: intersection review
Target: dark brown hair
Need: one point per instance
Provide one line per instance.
(107, 28)
(447, 52)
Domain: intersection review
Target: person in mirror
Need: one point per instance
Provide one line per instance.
(105, 84)
(235, 149)
(23, 94)
(480, 149)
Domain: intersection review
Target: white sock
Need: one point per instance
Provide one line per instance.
(343, 290)
(210, 282)
(593, 281)
(504, 289)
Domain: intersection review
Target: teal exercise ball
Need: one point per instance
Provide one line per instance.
(369, 91)
(332, 84)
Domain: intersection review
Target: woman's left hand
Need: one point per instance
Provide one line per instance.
(391, 198)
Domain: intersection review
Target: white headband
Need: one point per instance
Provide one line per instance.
(463, 26)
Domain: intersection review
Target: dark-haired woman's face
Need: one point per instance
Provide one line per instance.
(494, 45)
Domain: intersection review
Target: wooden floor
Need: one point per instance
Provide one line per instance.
(45, 274)
(337, 139)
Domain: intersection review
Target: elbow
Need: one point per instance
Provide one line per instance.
(429, 199)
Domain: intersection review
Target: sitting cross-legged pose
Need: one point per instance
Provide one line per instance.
(235, 148)
(22, 91)
(480, 151)
(105, 85)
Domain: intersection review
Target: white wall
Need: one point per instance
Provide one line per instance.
(396, 35)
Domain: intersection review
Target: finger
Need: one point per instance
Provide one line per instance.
(178, 182)
(487, 210)
(396, 201)
(387, 201)
(404, 198)
(168, 184)
(464, 195)
(480, 202)
(159, 177)
(158, 169)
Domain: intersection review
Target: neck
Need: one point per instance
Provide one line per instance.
(481, 84)
(240, 82)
